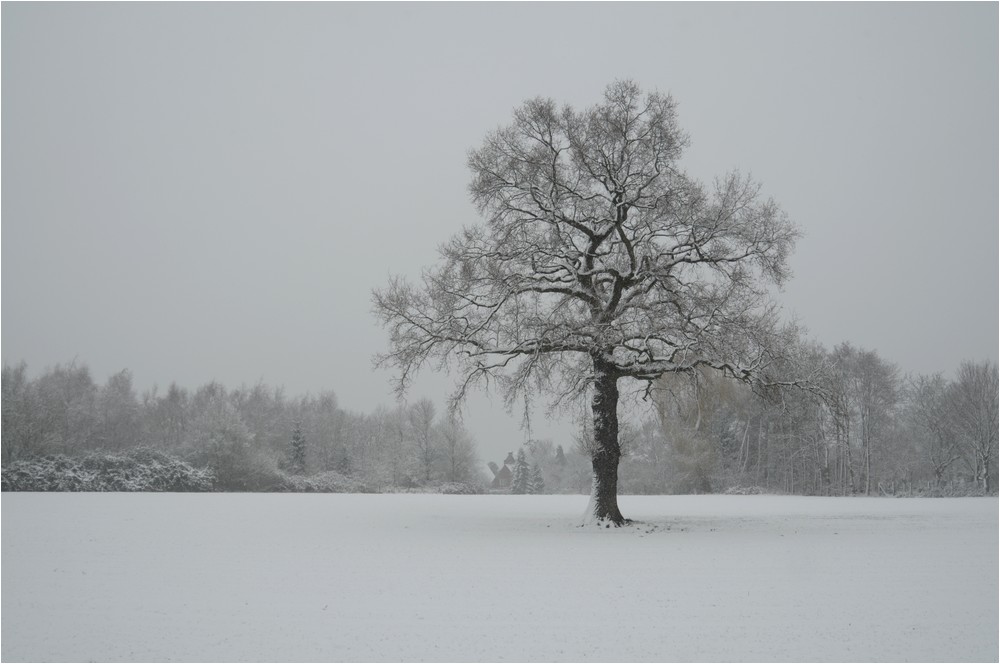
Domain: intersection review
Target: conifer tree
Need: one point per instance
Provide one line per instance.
(536, 484)
(298, 450)
(522, 474)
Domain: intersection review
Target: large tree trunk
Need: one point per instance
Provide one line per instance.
(606, 452)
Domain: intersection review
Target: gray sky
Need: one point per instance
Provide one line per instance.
(211, 191)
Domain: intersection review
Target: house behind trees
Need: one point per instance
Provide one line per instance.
(503, 475)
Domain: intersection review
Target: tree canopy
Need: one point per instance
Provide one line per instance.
(599, 259)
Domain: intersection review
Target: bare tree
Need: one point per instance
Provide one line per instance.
(875, 385)
(928, 417)
(17, 434)
(118, 425)
(457, 453)
(600, 260)
(397, 436)
(165, 421)
(974, 398)
(421, 416)
(862, 391)
(66, 409)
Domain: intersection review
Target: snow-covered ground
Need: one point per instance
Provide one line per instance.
(226, 577)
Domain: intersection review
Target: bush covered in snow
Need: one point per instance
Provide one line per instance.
(328, 482)
(140, 469)
(745, 491)
(953, 489)
(460, 488)
(48, 473)
(145, 469)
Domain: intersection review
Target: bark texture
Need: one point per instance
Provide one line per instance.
(606, 452)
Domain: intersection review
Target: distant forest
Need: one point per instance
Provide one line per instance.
(869, 430)
(246, 439)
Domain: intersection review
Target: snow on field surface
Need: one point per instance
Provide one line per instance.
(252, 577)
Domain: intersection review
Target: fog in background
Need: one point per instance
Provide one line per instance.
(211, 191)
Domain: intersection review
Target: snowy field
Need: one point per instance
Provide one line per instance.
(252, 577)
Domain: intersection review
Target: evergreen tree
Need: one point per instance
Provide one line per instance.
(298, 450)
(536, 484)
(560, 455)
(519, 484)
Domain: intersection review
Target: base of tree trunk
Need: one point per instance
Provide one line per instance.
(609, 523)
(602, 509)
(590, 518)
(611, 518)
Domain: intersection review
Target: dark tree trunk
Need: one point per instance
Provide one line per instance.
(606, 451)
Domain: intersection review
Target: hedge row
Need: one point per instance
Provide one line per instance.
(140, 469)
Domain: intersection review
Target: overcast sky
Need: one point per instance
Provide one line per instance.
(211, 191)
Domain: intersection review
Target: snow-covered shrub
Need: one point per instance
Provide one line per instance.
(135, 470)
(460, 488)
(745, 491)
(145, 469)
(950, 490)
(53, 472)
(328, 482)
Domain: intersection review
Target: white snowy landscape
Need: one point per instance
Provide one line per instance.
(318, 313)
(245, 577)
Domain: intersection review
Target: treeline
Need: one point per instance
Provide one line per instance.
(865, 428)
(862, 428)
(247, 439)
